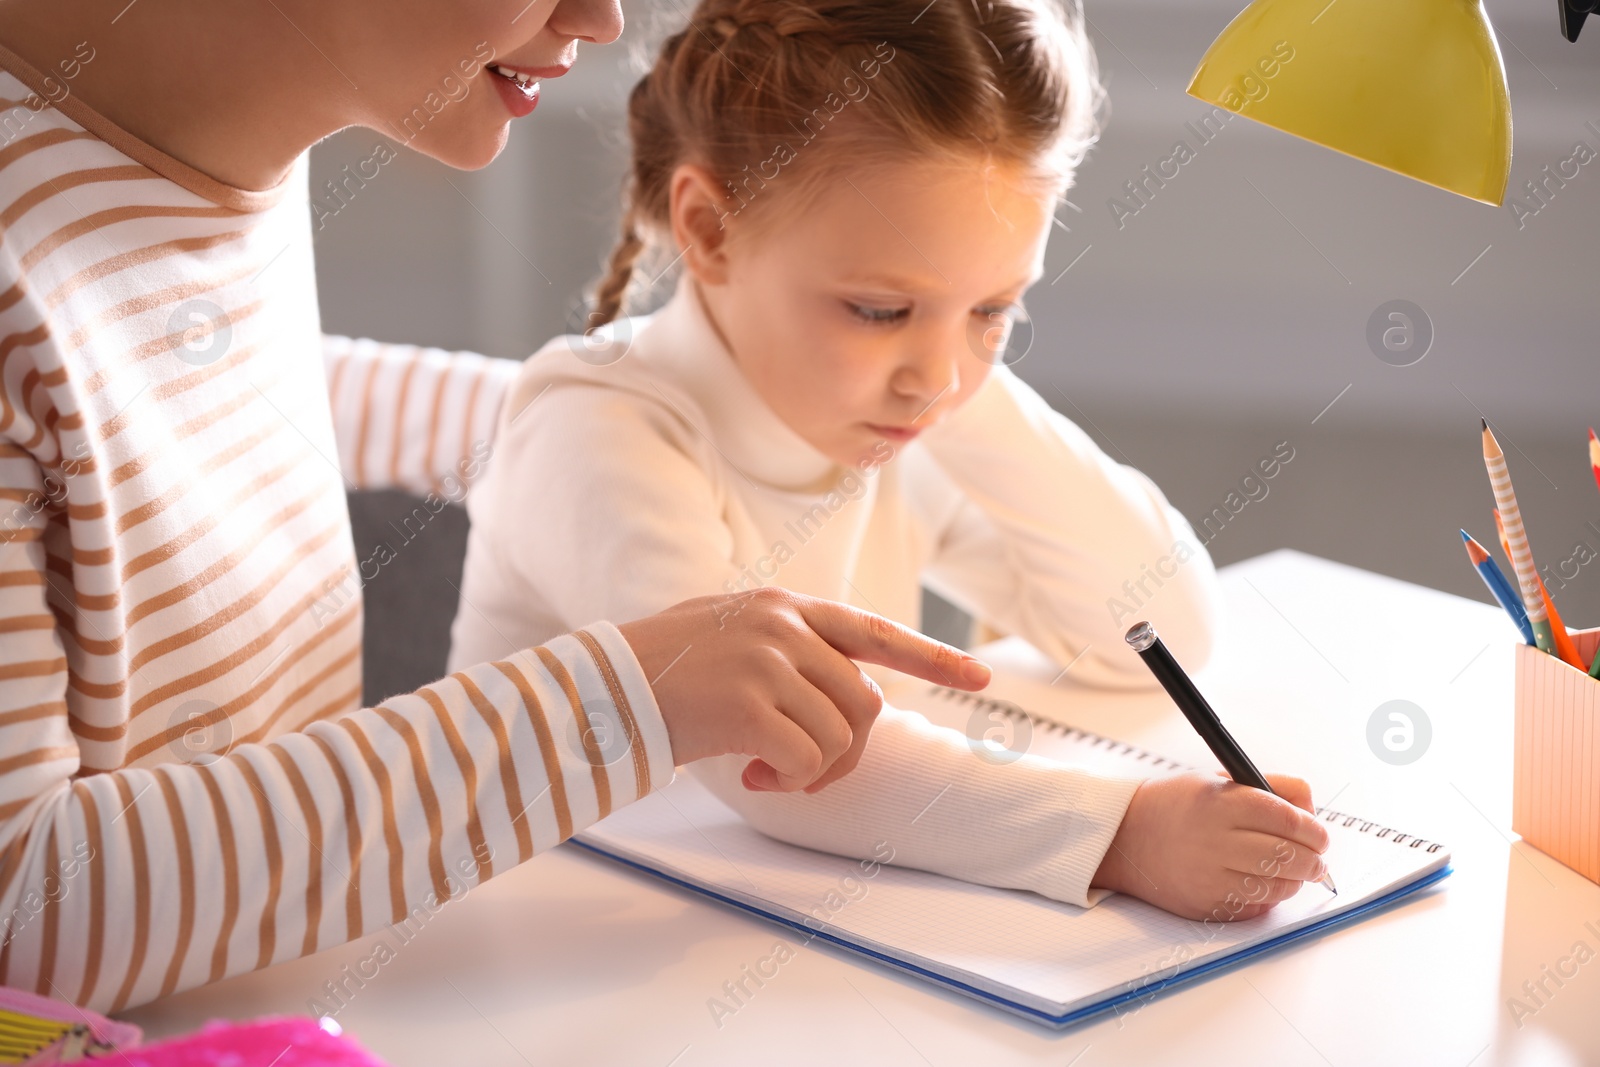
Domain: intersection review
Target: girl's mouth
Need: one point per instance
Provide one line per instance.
(894, 433)
(519, 91)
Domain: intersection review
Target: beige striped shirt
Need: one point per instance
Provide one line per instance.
(189, 787)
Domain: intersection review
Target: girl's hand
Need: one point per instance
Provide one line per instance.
(1203, 846)
(768, 674)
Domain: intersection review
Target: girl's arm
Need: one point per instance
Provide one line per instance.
(642, 520)
(122, 886)
(1047, 537)
(923, 797)
(643, 527)
(419, 419)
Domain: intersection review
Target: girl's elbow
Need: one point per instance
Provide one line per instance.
(1187, 609)
(1197, 617)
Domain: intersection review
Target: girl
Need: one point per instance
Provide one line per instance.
(189, 786)
(859, 194)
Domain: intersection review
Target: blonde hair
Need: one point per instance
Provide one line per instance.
(748, 84)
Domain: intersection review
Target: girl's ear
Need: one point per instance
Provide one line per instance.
(699, 223)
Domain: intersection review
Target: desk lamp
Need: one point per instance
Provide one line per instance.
(1414, 86)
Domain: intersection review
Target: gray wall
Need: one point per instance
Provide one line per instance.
(1222, 318)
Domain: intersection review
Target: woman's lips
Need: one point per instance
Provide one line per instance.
(518, 100)
(519, 86)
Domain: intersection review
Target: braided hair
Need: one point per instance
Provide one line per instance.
(747, 86)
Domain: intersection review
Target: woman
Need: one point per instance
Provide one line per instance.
(188, 786)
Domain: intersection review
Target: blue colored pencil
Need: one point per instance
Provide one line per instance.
(1499, 586)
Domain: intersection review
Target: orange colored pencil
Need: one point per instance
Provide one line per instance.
(1558, 630)
(1594, 455)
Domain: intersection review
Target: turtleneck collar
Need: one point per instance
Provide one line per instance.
(683, 342)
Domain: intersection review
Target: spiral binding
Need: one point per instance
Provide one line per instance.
(1366, 826)
(1122, 748)
(1017, 714)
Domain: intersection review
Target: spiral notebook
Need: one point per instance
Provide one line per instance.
(1050, 962)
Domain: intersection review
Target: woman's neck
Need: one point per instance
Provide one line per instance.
(233, 89)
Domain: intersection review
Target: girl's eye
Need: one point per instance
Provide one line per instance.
(1012, 311)
(877, 316)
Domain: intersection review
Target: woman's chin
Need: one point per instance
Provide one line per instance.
(465, 151)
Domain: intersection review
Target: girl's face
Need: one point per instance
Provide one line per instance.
(433, 75)
(882, 306)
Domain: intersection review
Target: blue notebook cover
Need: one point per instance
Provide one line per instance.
(1065, 1019)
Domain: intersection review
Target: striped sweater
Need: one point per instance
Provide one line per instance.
(189, 787)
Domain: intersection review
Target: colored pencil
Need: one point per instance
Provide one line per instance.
(1499, 587)
(1594, 467)
(1565, 650)
(1594, 455)
(1517, 541)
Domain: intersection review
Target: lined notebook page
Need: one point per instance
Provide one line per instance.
(1051, 957)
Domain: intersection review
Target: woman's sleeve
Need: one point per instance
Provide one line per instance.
(413, 418)
(1056, 542)
(120, 887)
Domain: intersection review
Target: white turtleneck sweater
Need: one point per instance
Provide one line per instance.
(643, 470)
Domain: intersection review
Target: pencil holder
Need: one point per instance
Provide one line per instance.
(1555, 792)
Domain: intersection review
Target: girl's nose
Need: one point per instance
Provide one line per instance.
(927, 375)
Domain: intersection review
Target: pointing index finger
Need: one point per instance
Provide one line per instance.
(863, 636)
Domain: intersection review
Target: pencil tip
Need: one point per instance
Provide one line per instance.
(1466, 537)
(1485, 423)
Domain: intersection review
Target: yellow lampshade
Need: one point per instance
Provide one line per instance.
(1416, 86)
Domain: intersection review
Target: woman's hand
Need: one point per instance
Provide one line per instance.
(768, 674)
(1203, 846)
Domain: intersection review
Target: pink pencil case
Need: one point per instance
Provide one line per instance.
(41, 1032)
(286, 1042)
(38, 1030)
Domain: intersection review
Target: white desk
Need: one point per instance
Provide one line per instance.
(573, 960)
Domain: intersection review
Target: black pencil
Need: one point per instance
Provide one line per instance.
(1181, 688)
